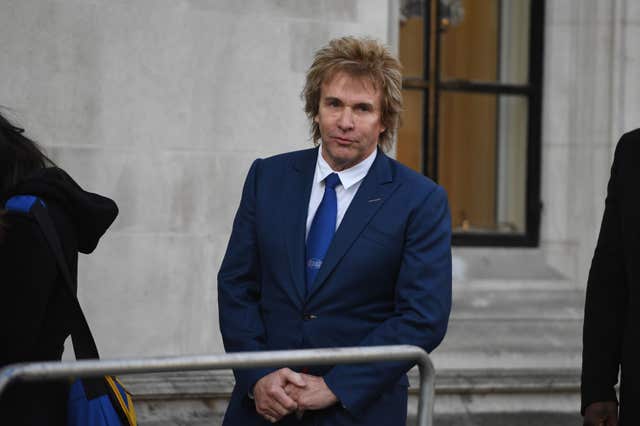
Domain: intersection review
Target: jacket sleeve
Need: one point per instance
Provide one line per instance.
(605, 306)
(29, 274)
(239, 289)
(422, 306)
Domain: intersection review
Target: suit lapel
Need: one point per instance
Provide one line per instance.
(376, 187)
(297, 193)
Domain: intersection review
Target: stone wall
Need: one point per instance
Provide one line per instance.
(163, 105)
(591, 96)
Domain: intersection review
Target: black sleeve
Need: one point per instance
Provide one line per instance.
(27, 278)
(605, 306)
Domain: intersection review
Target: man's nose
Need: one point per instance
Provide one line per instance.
(345, 120)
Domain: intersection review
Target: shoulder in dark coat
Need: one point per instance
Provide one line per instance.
(612, 308)
(35, 316)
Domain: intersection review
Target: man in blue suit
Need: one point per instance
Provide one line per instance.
(336, 246)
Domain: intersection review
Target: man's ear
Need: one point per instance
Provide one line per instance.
(316, 119)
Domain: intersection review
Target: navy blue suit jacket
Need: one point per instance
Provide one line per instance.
(386, 280)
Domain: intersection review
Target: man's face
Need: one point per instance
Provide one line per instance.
(349, 120)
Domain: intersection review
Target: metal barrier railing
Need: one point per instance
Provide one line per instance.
(89, 368)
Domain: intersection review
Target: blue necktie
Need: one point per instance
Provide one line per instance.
(322, 229)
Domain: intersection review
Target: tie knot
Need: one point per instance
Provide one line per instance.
(332, 180)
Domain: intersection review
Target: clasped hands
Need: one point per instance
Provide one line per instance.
(284, 391)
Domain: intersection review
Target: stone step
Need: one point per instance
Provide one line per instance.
(524, 418)
(479, 303)
(513, 324)
(511, 355)
(510, 343)
(505, 397)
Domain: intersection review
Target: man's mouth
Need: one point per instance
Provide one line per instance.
(343, 141)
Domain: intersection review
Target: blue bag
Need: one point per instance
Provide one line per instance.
(98, 401)
(93, 407)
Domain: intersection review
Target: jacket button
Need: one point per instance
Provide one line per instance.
(308, 317)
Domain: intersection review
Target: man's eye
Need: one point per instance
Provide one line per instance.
(364, 108)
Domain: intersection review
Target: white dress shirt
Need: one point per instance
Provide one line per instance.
(350, 180)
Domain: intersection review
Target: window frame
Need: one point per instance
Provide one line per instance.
(532, 91)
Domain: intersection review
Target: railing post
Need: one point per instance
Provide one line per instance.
(427, 391)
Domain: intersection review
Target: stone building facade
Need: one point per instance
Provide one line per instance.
(163, 104)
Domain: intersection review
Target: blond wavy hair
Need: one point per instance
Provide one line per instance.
(361, 57)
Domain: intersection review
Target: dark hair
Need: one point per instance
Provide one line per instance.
(19, 157)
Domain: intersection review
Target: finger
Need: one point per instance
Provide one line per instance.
(277, 394)
(274, 408)
(284, 400)
(270, 414)
(291, 390)
(293, 377)
(268, 408)
(278, 409)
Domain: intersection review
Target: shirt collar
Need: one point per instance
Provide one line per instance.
(348, 177)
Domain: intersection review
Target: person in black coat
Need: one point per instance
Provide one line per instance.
(35, 311)
(612, 310)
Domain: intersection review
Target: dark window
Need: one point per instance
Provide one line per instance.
(472, 88)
